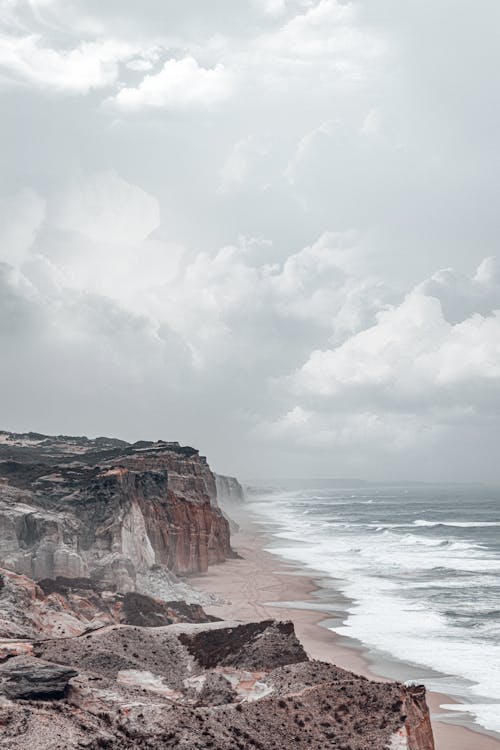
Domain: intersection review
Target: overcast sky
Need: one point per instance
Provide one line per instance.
(265, 228)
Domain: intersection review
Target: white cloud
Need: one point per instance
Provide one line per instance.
(106, 208)
(181, 83)
(140, 64)
(94, 237)
(411, 350)
(461, 295)
(304, 147)
(238, 166)
(21, 216)
(90, 65)
(272, 7)
(328, 34)
(407, 384)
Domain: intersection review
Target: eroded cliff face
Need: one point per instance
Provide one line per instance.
(106, 510)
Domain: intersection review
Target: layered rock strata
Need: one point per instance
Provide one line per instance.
(107, 510)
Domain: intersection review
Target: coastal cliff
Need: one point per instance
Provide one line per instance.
(107, 510)
(95, 651)
(229, 491)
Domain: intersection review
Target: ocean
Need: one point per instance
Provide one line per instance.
(419, 567)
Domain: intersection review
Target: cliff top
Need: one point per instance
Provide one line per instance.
(33, 447)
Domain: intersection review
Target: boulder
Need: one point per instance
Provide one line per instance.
(29, 678)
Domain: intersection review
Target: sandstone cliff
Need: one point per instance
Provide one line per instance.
(107, 510)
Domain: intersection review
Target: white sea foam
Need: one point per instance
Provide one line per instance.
(388, 575)
(457, 524)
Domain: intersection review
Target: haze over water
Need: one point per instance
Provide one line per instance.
(420, 567)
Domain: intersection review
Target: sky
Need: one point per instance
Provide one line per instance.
(265, 228)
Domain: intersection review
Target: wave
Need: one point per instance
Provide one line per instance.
(407, 582)
(456, 524)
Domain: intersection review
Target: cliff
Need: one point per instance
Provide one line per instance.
(106, 510)
(229, 491)
(88, 659)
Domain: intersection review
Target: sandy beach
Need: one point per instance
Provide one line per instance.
(248, 588)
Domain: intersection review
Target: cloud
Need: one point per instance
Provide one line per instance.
(88, 66)
(181, 83)
(305, 147)
(21, 217)
(461, 295)
(336, 358)
(256, 216)
(411, 349)
(272, 7)
(105, 208)
(411, 380)
(244, 157)
(99, 238)
(360, 431)
(329, 35)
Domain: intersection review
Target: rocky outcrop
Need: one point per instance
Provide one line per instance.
(418, 729)
(216, 685)
(106, 510)
(252, 645)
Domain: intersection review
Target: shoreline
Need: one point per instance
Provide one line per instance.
(262, 585)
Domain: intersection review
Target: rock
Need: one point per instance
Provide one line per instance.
(418, 724)
(216, 685)
(107, 510)
(216, 690)
(144, 611)
(34, 679)
(65, 607)
(252, 645)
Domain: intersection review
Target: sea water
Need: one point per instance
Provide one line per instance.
(419, 566)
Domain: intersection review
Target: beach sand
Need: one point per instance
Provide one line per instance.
(250, 585)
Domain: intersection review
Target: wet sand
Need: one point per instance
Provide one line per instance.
(248, 588)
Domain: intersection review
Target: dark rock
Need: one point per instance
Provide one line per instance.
(138, 609)
(34, 679)
(253, 645)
